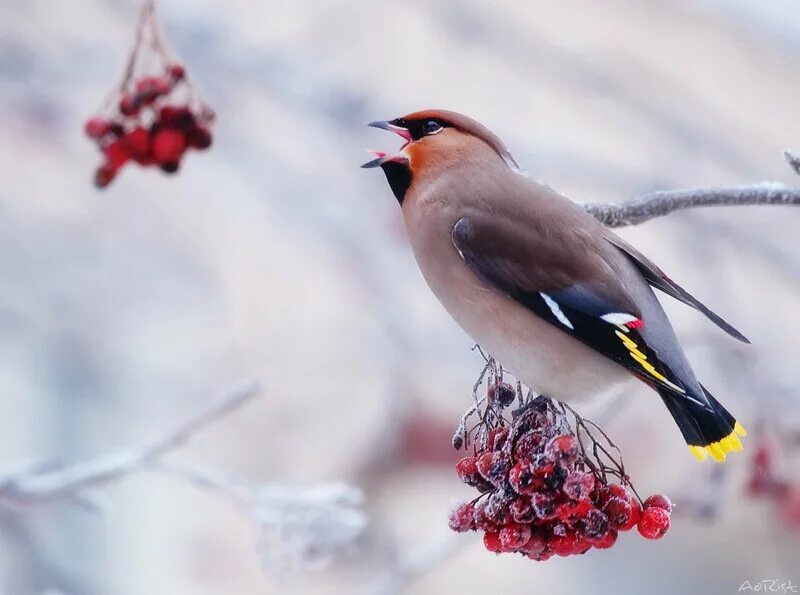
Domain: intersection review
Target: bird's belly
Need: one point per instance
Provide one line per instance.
(546, 359)
(541, 355)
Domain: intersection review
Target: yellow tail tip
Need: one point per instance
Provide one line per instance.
(715, 448)
(699, 452)
(718, 450)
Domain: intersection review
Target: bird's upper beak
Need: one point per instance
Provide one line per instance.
(382, 157)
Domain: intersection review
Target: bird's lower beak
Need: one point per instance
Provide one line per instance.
(382, 157)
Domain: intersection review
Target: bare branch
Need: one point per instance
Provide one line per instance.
(41, 484)
(657, 204)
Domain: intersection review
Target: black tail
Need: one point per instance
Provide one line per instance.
(707, 431)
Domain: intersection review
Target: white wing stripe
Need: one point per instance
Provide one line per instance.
(556, 310)
(618, 318)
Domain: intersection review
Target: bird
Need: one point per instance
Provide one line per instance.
(564, 303)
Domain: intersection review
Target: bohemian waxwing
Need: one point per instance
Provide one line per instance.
(560, 300)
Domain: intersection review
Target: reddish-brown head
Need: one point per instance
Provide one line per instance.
(435, 139)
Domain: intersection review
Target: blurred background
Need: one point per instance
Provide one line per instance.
(272, 256)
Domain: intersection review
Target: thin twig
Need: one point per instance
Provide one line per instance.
(71, 482)
(663, 202)
(148, 9)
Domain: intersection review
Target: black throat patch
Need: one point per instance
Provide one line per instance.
(399, 177)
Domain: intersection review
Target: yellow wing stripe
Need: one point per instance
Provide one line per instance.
(719, 449)
(641, 359)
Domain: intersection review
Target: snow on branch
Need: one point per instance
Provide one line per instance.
(43, 483)
(307, 529)
(298, 527)
(663, 202)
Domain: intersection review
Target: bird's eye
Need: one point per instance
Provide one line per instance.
(432, 127)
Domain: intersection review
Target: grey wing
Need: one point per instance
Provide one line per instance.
(658, 279)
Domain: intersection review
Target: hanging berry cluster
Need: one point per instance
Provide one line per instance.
(545, 489)
(155, 116)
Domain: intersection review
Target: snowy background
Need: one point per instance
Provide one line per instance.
(274, 257)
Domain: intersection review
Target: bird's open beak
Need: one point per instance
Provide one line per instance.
(382, 157)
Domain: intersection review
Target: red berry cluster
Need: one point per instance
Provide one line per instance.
(148, 129)
(765, 482)
(542, 493)
(156, 115)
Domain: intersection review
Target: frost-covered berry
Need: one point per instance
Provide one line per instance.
(502, 394)
(578, 485)
(137, 142)
(496, 438)
(572, 511)
(491, 541)
(553, 477)
(498, 508)
(633, 519)
(116, 154)
(593, 525)
(618, 511)
(458, 441)
(528, 446)
(150, 87)
(536, 545)
(522, 479)
(482, 520)
(494, 467)
(176, 71)
(104, 175)
(562, 449)
(606, 541)
(128, 106)
(654, 523)
(462, 518)
(97, 127)
(199, 138)
(521, 510)
(564, 541)
(660, 501)
(467, 469)
(514, 536)
(614, 490)
(168, 146)
(544, 505)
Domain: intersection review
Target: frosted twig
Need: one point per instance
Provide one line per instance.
(302, 529)
(44, 484)
(299, 528)
(663, 202)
